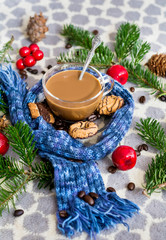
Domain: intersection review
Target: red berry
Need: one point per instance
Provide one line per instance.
(119, 73)
(20, 64)
(124, 157)
(24, 51)
(38, 55)
(4, 145)
(29, 61)
(33, 47)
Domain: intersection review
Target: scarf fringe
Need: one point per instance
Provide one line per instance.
(109, 210)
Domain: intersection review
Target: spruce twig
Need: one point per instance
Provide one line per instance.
(14, 174)
(151, 132)
(4, 55)
(155, 175)
(138, 51)
(143, 77)
(100, 59)
(10, 190)
(21, 139)
(83, 38)
(127, 36)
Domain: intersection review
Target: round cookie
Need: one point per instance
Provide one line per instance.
(83, 129)
(110, 104)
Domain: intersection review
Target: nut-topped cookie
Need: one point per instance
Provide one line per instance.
(83, 129)
(110, 104)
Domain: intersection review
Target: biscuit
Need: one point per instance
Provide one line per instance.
(83, 129)
(110, 104)
(41, 109)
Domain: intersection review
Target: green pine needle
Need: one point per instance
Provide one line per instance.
(15, 174)
(44, 173)
(143, 77)
(151, 132)
(10, 167)
(138, 51)
(3, 105)
(21, 139)
(127, 36)
(10, 190)
(156, 174)
(100, 59)
(78, 37)
(4, 53)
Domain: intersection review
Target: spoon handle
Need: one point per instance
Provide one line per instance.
(95, 43)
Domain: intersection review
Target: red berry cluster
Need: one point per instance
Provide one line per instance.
(29, 56)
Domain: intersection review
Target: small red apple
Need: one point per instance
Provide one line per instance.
(119, 73)
(4, 145)
(124, 157)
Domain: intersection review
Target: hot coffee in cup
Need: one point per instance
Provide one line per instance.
(70, 98)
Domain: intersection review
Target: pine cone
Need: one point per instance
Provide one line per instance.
(36, 28)
(157, 64)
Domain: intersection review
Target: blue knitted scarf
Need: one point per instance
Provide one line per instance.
(72, 177)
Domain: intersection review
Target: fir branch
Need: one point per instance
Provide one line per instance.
(138, 51)
(44, 173)
(156, 174)
(143, 77)
(10, 191)
(100, 60)
(79, 37)
(151, 132)
(10, 167)
(4, 53)
(14, 174)
(3, 105)
(127, 36)
(21, 139)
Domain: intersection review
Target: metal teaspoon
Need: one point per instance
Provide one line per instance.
(96, 41)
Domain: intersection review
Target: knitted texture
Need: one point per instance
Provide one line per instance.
(72, 177)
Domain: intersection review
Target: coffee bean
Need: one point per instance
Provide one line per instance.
(112, 169)
(18, 212)
(145, 147)
(68, 45)
(63, 214)
(162, 98)
(94, 195)
(43, 72)
(92, 117)
(34, 71)
(142, 99)
(81, 194)
(29, 69)
(138, 153)
(131, 186)
(61, 128)
(95, 32)
(89, 200)
(111, 189)
(132, 89)
(140, 148)
(24, 76)
(58, 122)
(22, 72)
(49, 66)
